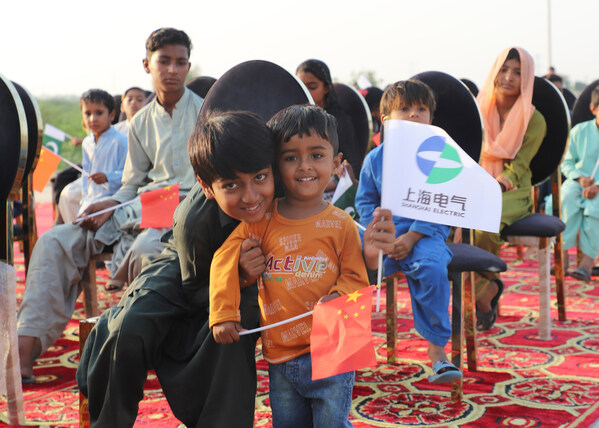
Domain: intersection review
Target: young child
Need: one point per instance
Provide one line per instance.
(132, 101)
(313, 254)
(580, 205)
(104, 154)
(420, 251)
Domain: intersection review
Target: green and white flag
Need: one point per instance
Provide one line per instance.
(427, 176)
(345, 195)
(53, 138)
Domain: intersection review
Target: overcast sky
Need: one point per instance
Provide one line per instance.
(65, 47)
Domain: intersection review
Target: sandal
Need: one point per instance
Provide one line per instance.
(581, 273)
(28, 380)
(444, 372)
(484, 321)
(114, 285)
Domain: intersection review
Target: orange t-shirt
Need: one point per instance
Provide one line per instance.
(306, 259)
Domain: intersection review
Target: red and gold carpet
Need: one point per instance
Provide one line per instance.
(522, 381)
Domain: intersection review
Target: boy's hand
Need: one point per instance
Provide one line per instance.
(341, 170)
(404, 244)
(251, 262)
(590, 192)
(379, 235)
(585, 182)
(328, 298)
(94, 223)
(98, 177)
(227, 332)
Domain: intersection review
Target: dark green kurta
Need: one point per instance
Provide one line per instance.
(161, 323)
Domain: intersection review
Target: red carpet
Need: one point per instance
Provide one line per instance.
(521, 382)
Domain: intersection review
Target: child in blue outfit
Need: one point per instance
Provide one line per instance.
(104, 149)
(420, 251)
(580, 204)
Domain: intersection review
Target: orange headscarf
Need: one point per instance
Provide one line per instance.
(505, 143)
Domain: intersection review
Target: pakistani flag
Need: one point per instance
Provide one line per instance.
(53, 138)
(345, 195)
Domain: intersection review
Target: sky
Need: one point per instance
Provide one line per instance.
(66, 47)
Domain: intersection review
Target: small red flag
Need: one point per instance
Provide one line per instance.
(46, 165)
(341, 338)
(158, 207)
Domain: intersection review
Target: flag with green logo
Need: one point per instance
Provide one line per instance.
(345, 195)
(427, 176)
(53, 138)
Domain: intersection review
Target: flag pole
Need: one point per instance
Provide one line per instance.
(266, 327)
(77, 167)
(105, 210)
(379, 275)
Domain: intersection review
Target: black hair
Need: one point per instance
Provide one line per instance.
(134, 88)
(224, 143)
(595, 97)
(167, 36)
(513, 54)
(373, 97)
(471, 86)
(407, 92)
(98, 96)
(304, 120)
(322, 73)
(553, 78)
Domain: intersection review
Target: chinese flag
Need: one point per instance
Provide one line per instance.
(158, 207)
(46, 165)
(341, 338)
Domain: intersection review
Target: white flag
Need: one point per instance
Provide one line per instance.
(427, 176)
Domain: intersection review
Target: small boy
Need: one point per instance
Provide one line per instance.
(132, 101)
(104, 154)
(420, 251)
(313, 254)
(580, 205)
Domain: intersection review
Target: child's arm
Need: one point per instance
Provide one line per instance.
(251, 262)
(98, 177)
(251, 265)
(404, 244)
(379, 235)
(114, 174)
(571, 158)
(514, 169)
(225, 294)
(368, 196)
(227, 332)
(590, 192)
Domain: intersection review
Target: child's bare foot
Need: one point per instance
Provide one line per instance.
(29, 349)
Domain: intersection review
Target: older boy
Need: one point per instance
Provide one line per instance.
(420, 250)
(580, 204)
(162, 321)
(156, 158)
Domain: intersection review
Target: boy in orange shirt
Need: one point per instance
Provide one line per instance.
(312, 254)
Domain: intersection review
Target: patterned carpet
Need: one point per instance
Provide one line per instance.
(522, 381)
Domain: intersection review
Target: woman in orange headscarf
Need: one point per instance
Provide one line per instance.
(514, 131)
